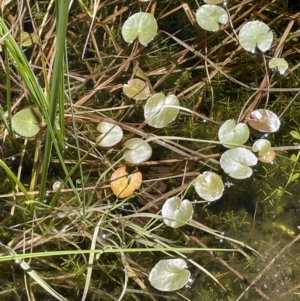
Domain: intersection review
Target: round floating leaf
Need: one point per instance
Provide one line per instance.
(262, 146)
(264, 120)
(209, 16)
(156, 111)
(169, 275)
(268, 157)
(209, 186)
(280, 64)
(139, 151)
(111, 134)
(140, 25)
(122, 184)
(136, 89)
(255, 34)
(27, 122)
(230, 132)
(178, 212)
(236, 161)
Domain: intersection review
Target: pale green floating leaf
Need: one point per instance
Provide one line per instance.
(177, 212)
(262, 146)
(169, 274)
(209, 186)
(139, 151)
(264, 120)
(140, 25)
(27, 122)
(236, 161)
(136, 89)
(279, 63)
(158, 112)
(255, 34)
(230, 132)
(209, 16)
(111, 134)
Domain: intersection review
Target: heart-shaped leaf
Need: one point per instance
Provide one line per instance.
(158, 112)
(140, 25)
(177, 212)
(255, 34)
(209, 16)
(136, 89)
(278, 63)
(27, 122)
(264, 120)
(139, 151)
(236, 161)
(262, 146)
(230, 132)
(122, 184)
(209, 186)
(169, 274)
(111, 134)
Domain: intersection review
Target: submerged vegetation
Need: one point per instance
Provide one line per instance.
(149, 150)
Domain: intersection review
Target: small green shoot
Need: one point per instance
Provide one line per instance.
(177, 212)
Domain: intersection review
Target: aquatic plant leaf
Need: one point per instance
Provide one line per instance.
(279, 63)
(178, 212)
(140, 25)
(139, 151)
(209, 16)
(111, 134)
(136, 89)
(230, 132)
(27, 39)
(268, 157)
(122, 184)
(262, 146)
(264, 120)
(255, 34)
(27, 122)
(169, 274)
(236, 161)
(209, 186)
(157, 111)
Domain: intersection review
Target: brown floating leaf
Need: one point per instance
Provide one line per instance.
(122, 184)
(264, 120)
(136, 89)
(268, 157)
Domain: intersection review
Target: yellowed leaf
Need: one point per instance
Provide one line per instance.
(122, 184)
